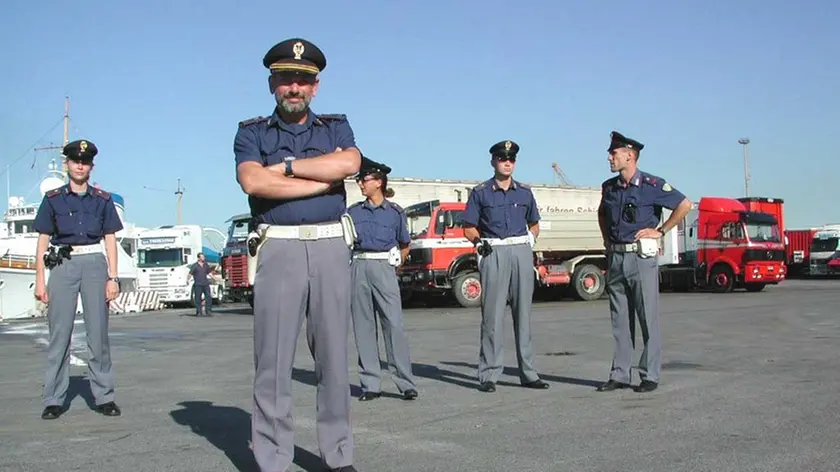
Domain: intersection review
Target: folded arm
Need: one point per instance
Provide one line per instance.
(259, 181)
(330, 167)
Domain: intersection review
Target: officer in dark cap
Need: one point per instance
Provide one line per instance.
(381, 247)
(292, 165)
(73, 220)
(629, 217)
(499, 215)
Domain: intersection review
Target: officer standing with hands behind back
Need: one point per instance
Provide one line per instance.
(499, 214)
(381, 247)
(292, 165)
(629, 214)
(72, 221)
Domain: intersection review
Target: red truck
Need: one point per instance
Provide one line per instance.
(723, 245)
(235, 260)
(798, 250)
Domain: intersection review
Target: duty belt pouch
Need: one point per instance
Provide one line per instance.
(394, 256)
(647, 248)
(348, 230)
(253, 244)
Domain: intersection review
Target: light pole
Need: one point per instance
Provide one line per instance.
(745, 142)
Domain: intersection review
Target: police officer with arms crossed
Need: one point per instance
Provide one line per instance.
(381, 246)
(292, 165)
(630, 210)
(72, 221)
(498, 217)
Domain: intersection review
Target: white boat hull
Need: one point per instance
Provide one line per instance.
(17, 295)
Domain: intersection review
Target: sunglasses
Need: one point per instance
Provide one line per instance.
(506, 159)
(628, 213)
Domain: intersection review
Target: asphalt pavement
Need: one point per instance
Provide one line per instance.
(749, 383)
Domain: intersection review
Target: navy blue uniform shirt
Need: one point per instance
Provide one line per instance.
(77, 219)
(379, 227)
(636, 205)
(269, 141)
(501, 214)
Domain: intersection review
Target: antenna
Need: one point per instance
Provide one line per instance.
(179, 193)
(559, 174)
(66, 139)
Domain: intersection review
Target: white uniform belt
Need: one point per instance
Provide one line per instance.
(305, 232)
(625, 247)
(86, 249)
(508, 241)
(371, 255)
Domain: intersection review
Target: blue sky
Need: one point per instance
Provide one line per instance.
(160, 86)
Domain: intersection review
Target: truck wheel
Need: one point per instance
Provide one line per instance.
(754, 287)
(722, 280)
(588, 283)
(467, 289)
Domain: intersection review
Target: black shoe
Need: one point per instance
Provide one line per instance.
(346, 468)
(612, 385)
(52, 412)
(488, 387)
(367, 396)
(109, 409)
(646, 386)
(410, 394)
(538, 384)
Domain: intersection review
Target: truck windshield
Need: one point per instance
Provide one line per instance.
(238, 230)
(160, 257)
(418, 217)
(758, 232)
(824, 245)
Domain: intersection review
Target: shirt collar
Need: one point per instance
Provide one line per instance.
(635, 181)
(384, 204)
(493, 186)
(311, 117)
(66, 190)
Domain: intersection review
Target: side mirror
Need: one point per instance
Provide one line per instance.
(448, 220)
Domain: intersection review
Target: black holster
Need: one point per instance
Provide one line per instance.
(55, 255)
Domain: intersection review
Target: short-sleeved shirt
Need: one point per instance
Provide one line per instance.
(269, 141)
(499, 213)
(200, 272)
(636, 205)
(379, 227)
(77, 219)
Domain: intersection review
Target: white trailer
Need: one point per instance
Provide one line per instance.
(824, 250)
(166, 254)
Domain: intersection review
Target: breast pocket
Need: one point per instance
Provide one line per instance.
(313, 152)
(496, 213)
(94, 223)
(385, 234)
(65, 223)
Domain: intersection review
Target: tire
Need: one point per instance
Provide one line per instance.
(722, 279)
(754, 287)
(466, 287)
(588, 283)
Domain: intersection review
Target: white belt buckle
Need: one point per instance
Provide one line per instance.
(308, 233)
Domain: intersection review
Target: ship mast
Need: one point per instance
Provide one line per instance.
(64, 172)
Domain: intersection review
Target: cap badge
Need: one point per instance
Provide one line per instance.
(83, 146)
(508, 144)
(298, 50)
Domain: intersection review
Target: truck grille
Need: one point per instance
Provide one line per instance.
(236, 270)
(764, 255)
(158, 281)
(420, 256)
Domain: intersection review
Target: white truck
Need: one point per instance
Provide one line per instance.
(825, 251)
(166, 254)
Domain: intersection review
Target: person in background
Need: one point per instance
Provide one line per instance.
(381, 247)
(200, 273)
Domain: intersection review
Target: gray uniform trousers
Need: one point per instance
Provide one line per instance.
(375, 290)
(86, 274)
(633, 285)
(296, 280)
(506, 274)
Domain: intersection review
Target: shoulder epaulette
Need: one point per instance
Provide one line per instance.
(101, 193)
(480, 186)
(608, 182)
(251, 121)
(523, 185)
(356, 204)
(396, 207)
(53, 192)
(650, 179)
(333, 117)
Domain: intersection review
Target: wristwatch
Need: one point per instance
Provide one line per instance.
(288, 171)
(114, 279)
(660, 231)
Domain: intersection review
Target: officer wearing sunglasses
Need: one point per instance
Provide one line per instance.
(630, 211)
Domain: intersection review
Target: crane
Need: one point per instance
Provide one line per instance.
(559, 174)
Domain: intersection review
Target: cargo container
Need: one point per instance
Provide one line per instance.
(798, 251)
